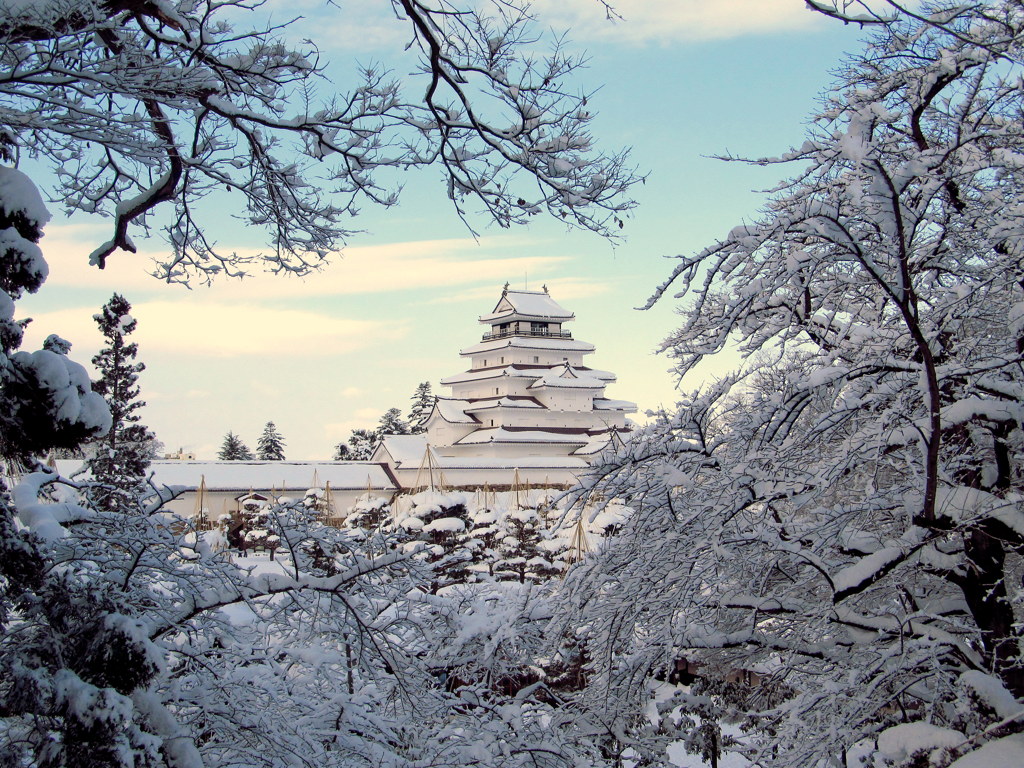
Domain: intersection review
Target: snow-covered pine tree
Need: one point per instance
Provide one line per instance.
(121, 457)
(369, 513)
(422, 404)
(360, 446)
(233, 449)
(270, 445)
(75, 652)
(520, 553)
(46, 400)
(391, 423)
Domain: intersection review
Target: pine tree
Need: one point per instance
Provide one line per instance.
(46, 400)
(391, 423)
(233, 449)
(122, 455)
(270, 446)
(362, 443)
(342, 452)
(422, 404)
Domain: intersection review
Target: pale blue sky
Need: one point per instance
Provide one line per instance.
(679, 81)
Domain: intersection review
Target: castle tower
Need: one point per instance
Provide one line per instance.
(527, 392)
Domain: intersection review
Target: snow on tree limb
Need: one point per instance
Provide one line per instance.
(144, 106)
(865, 495)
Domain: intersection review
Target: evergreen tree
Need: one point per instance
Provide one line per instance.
(391, 423)
(422, 404)
(122, 455)
(361, 444)
(46, 400)
(520, 549)
(342, 452)
(233, 449)
(270, 446)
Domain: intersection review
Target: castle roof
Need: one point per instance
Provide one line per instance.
(508, 401)
(563, 435)
(568, 377)
(527, 305)
(607, 404)
(406, 451)
(497, 372)
(454, 411)
(546, 343)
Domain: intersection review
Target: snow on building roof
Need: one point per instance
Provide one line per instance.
(567, 377)
(247, 475)
(512, 401)
(546, 343)
(560, 435)
(404, 450)
(529, 305)
(454, 411)
(515, 462)
(596, 444)
(606, 404)
(519, 371)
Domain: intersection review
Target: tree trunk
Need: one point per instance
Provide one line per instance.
(984, 589)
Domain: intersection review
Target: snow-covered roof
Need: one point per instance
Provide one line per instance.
(547, 343)
(515, 462)
(519, 371)
(404, 450)
(526, 435)
(454, 411)
(514, 401)
(606, 404)
(246, 475)
(596, 444)
(530, 305)
(567, 377)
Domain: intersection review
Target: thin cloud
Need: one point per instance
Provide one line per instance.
(242, 330)
(381, 268)
(364, 28)
(672, 21)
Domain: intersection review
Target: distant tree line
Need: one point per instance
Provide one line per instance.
(360, 445)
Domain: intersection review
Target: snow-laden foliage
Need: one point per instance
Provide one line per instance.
(844, 517)
(153, 648)
(359, 447)
(423, 400)
(233, 449)
(46, 400)
(120, 459)
(137, 103)
(270, 445)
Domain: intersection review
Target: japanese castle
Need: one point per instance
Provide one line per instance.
(526, 412)
(527, 404)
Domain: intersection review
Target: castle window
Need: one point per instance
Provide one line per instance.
(536, 358)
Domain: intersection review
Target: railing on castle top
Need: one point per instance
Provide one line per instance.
(526, 332)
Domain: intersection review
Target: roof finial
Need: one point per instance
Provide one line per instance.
(504, 290)
(545, 287)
